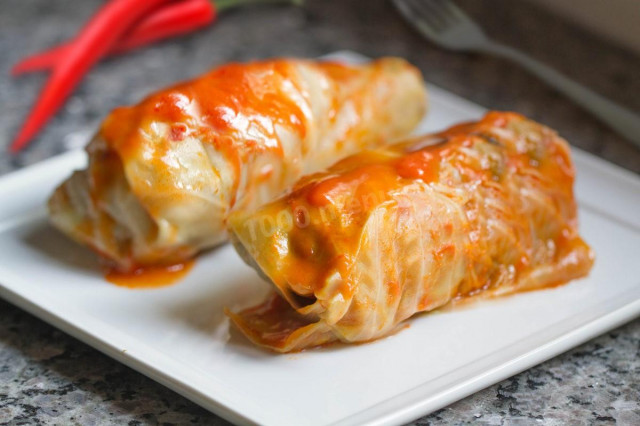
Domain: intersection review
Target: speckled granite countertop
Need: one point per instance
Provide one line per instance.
(47, 377)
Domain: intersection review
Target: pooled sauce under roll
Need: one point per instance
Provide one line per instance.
(484, 208)
(150, 277)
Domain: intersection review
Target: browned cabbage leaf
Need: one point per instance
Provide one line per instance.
(482, 208)
(163, 175)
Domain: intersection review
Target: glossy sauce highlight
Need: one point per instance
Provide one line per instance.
(150, 277)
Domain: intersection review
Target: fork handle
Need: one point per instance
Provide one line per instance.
(618, 118)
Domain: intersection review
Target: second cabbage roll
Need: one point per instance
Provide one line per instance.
(482, 208)
(163, 175)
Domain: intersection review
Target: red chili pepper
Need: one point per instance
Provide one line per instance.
(100, 36)
(93, 41)
(173, 19)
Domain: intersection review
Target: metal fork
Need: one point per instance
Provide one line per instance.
(445, 24)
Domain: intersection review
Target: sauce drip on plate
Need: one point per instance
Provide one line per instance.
(150, 277)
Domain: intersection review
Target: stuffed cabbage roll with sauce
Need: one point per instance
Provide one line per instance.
(481, 208)
(163, 175)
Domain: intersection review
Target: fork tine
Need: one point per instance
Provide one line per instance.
(429, 14)
(404, 9)
(432, 10)
(435, 14)
(443, 23)
(453, 9)
(414, 17)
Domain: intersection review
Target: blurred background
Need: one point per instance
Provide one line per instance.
(594, 42)
(616, 20)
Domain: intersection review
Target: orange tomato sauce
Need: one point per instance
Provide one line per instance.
(229, 99)
(150, 276)
(339, 200)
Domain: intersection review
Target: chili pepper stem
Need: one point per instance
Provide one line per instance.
(222, 5)
(176, 18)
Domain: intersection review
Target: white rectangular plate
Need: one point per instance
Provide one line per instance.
(179, 336)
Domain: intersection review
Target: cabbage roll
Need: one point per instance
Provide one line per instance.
(482, 208)
(163, 175)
